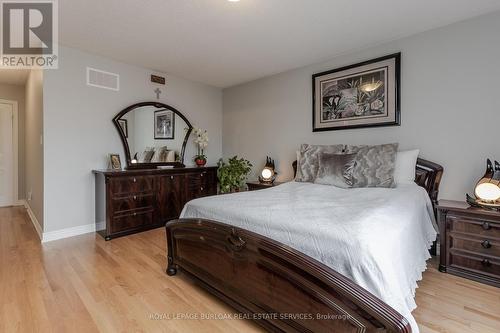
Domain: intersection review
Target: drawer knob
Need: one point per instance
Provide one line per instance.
(135, 180)
(201, 188)
(135, 214)
(201, 175)
(486, 263)
(171, 177)
(486, 226)
(135, 197)
(486, 244)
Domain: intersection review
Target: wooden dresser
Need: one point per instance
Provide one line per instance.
(136, 200)
(470, 241)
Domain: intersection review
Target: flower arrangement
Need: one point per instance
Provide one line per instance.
(201, 141)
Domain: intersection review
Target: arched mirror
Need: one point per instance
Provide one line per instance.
(153, 134)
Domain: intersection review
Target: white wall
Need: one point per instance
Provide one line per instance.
(450, 105)
(17, 93)
(79, 132)
(34, 182)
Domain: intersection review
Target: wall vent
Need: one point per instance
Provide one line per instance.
(102, 79)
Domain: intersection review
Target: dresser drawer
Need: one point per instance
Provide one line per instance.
(131, 220)
(483, 246)
(476, 263)
(473, 226)
(195, 180)
(200, 185)
(132, 202)
(122, 186)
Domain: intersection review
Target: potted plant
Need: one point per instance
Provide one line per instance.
(232, 175)
(201, 142)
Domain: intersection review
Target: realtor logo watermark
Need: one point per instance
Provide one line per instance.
(29, 37)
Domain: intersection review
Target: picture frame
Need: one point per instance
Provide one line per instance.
(164, 125)
(124, 125)
(115, 162)
(366, 94)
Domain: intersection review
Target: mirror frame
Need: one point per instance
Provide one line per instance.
(130, 165)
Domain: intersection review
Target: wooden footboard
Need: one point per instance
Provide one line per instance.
(279, 287)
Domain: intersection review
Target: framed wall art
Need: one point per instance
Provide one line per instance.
(164, 124)
(361, 95)
(124, 125)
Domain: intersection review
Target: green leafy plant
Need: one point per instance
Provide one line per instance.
(232, 175)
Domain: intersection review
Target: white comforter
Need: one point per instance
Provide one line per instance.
(377, 237)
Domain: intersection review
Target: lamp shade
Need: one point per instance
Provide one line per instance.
(488, 187)
(488, 192)
(267, 174)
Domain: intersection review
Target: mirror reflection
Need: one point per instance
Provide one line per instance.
(154, 134)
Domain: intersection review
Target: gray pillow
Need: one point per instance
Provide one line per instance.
(375, 165)
(336, 169)
(307, 166)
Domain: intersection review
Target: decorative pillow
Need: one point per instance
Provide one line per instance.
(307, 166)
(374, 165)
(160, 155)
(146, 155)
(170, 156)
(336, 169)
(405, 166)
(298, 164)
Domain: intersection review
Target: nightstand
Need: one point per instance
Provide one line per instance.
(470, 241)
(252, 186)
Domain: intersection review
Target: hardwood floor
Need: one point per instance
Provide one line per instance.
(84, 284)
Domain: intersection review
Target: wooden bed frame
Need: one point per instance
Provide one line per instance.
(280, 288)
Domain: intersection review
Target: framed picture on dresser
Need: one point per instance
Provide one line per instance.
(115, 162)
(365, 94)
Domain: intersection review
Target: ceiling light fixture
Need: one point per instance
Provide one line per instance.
(233, 0)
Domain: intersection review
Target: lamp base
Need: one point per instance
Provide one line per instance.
(482, 204)
(267, 181)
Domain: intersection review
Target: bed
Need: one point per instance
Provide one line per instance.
(303, 257)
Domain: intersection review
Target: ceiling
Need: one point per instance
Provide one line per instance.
(15, 77)
(224, 43)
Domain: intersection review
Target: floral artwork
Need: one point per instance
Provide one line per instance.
(360, 95)
(357, 96)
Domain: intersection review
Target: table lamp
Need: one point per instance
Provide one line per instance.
(268, 175)
(487, 190)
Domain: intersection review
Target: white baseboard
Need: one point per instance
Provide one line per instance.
(57, 234)
(33, 219)
(67, 232)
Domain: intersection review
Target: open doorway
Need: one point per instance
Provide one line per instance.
(9, 128)
(12, 102)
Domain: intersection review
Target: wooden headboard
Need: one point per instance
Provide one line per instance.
(427, 174)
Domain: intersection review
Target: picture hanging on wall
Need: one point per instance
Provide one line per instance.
(124, 125)
(366, 94)
(164, 124)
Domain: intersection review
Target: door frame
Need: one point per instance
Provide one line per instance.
(15, 143)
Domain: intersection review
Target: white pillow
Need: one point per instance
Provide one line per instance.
(171, 156)
(404, 171)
